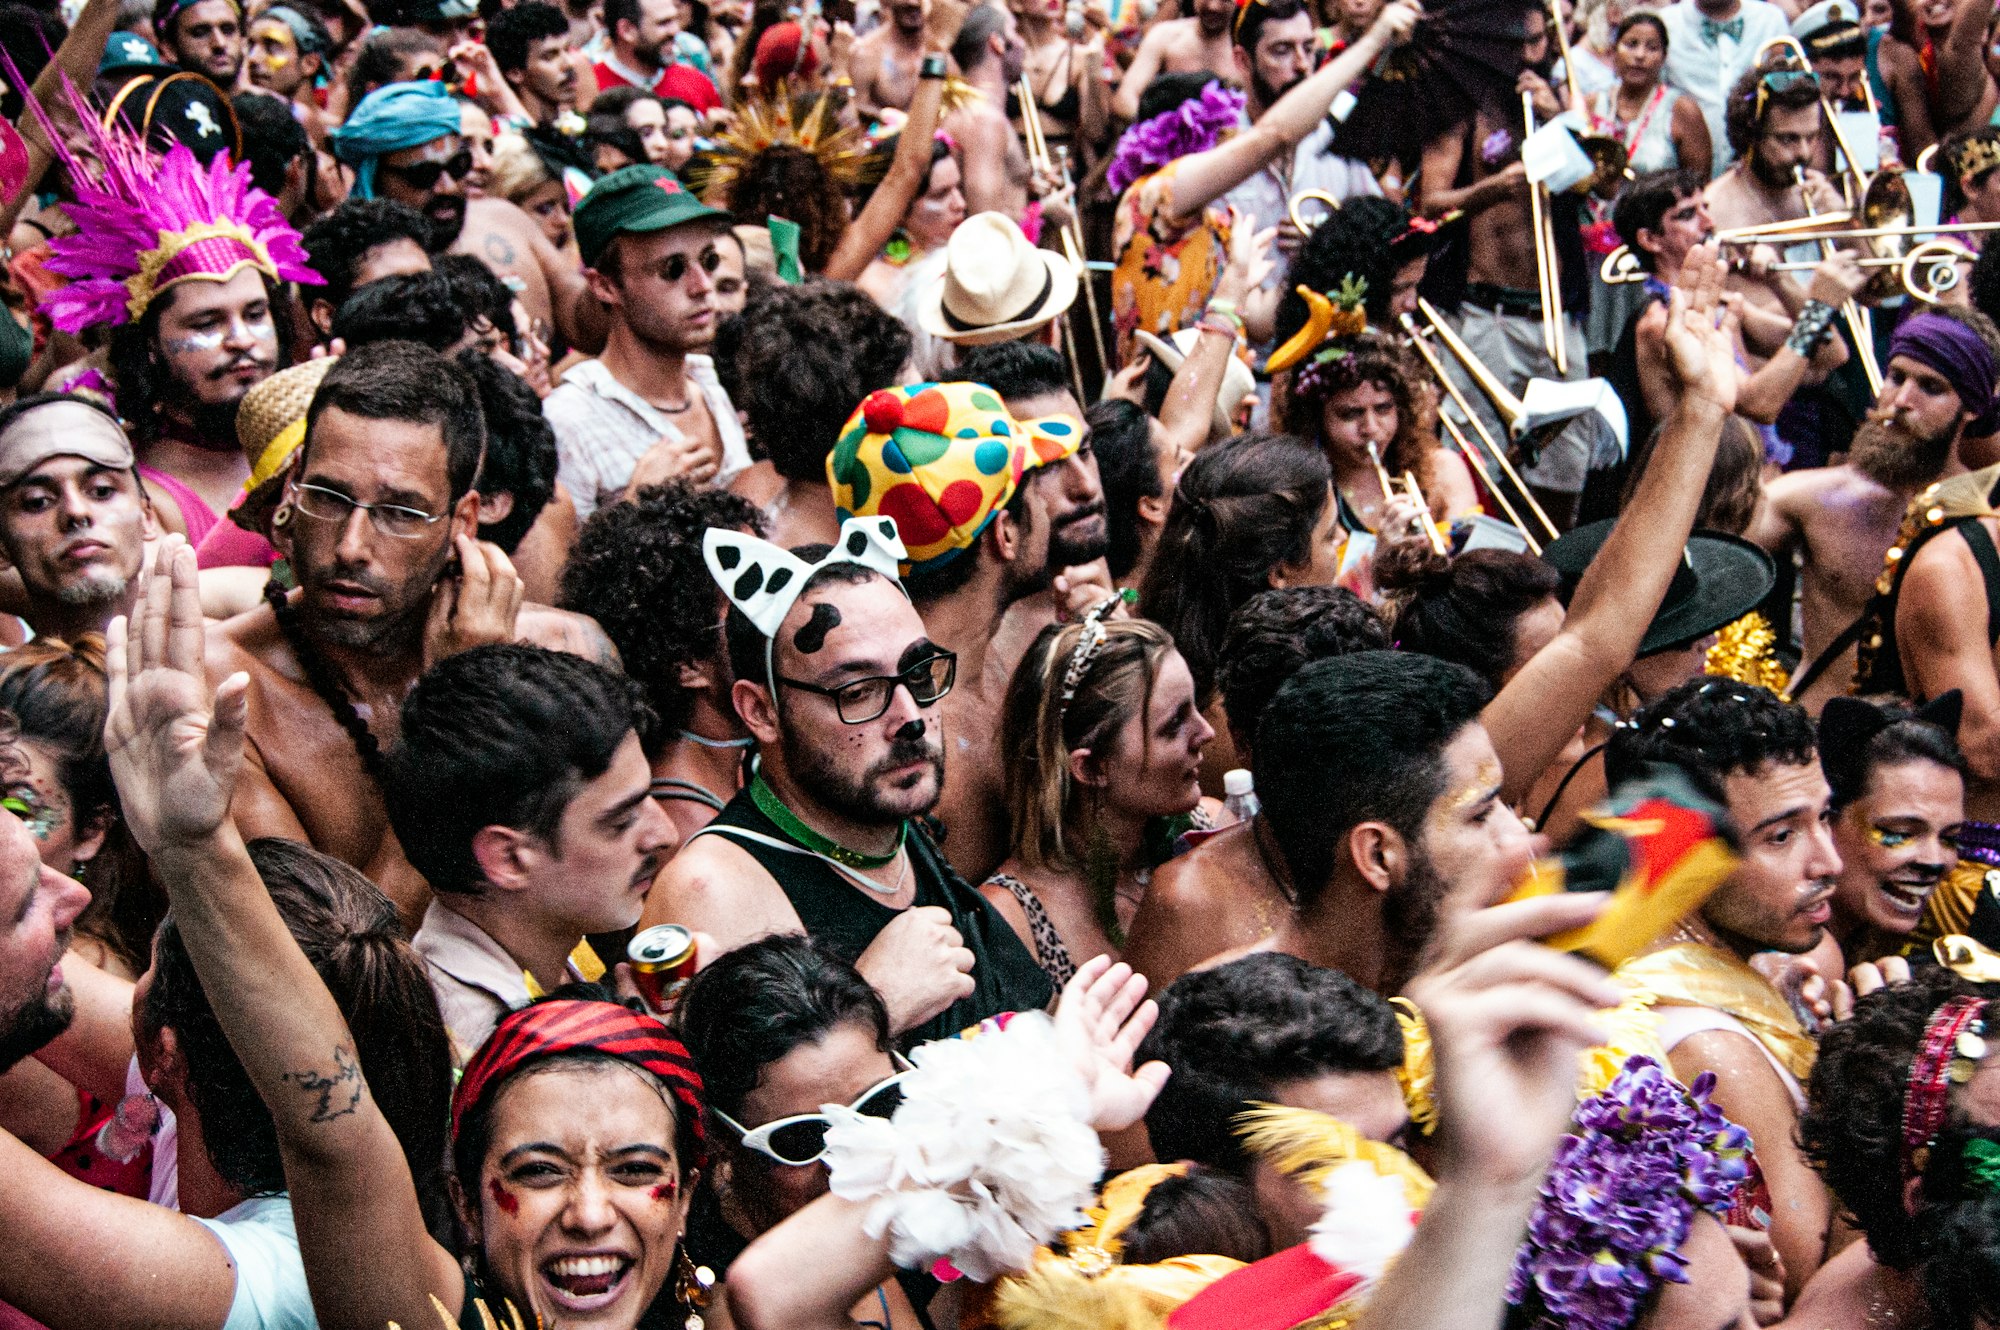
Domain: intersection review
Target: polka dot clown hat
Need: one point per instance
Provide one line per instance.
(941, 459)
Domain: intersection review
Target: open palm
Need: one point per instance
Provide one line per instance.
(1100, 1021)
(174, 747)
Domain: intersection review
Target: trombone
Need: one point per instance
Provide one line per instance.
(1037, 146)
(1609, 155)
(1927, 272)
(1510, 408)
(1548, 275)
(1858, 323)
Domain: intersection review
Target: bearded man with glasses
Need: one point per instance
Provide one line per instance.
(378, 525)
(650, 409)
(840, 686)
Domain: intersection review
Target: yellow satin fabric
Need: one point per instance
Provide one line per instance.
(1691, 975)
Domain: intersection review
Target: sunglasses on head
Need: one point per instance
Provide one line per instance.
(425, 175)
(1782, 80)
(801, 1139)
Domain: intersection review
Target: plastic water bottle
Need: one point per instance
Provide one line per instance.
(129, 1127)
(1239, 794)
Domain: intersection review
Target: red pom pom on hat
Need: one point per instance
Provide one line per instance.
(883, 410)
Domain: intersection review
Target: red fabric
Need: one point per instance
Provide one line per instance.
(778, 56)
(544, 1030)
(228, 545)
(681, 81)
(1274, 1294)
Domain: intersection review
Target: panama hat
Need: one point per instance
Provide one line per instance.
(995, 285)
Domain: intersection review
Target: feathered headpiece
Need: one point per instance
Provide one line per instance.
(145, 222)
(765, 123)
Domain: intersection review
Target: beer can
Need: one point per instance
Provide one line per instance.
(663, 960)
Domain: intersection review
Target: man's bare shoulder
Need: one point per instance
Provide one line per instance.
(566, 630)
(1190, 879)
(1223, 958)
(249, 641)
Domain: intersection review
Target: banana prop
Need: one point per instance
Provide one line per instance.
(1319, 318)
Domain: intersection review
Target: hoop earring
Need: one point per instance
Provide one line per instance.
(283, 516)
(692, 1286)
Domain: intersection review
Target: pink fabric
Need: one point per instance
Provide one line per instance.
(228, 545)
(195, 512)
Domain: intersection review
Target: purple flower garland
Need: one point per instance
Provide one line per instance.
(1196, 125)
(1620, 1197)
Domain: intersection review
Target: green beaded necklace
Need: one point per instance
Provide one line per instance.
(788, 822)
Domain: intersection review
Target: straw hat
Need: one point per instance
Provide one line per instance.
(995, 285)
(270, 426)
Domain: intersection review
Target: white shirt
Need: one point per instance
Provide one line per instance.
(1706, 71)
(603, 428)
(263, 1245)
(475, 980)
(1264, 196)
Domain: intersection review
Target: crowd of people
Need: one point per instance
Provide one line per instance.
(1015, 664)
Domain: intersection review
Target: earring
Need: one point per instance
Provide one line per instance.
(692, 1284)
(283, 516)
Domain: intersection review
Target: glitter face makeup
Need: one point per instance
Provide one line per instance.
(26, 803)
(1481, 787)
(1887, 839)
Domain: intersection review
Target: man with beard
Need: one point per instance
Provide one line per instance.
(379, 504)
(404, 143)
(990, 54)
(74, 520)
(1194, 45)
(968, 560)
(840, 686)
(885, 58)
(39, 905)
(548, 834)
(204, 37)
(1475, 167)
(641, 41)
(1842, 519)
(531, 47)
(1756, 755)
(1274, 47)
(651, 251)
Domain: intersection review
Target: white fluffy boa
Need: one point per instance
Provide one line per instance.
(989, 1156)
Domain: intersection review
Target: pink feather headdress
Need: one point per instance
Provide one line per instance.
(145, 222)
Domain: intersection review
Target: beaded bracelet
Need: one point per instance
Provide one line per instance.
(1811, 329)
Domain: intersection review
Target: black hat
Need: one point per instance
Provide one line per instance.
(1721, 578)
(166, 109)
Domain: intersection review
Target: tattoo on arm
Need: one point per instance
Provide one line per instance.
(338, 1094)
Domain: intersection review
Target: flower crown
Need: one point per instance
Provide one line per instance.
(145, 222)
(1642, 1158)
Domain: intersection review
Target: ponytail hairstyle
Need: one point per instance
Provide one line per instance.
(1378, 360)
(1112, 666)
(1465, 610)
(1243, 509)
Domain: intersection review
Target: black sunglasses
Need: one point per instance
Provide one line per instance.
(674, 268)
(425, 175)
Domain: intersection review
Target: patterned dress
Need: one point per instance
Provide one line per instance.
(1166, 270)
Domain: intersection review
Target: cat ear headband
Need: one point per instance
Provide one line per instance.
(763, 581)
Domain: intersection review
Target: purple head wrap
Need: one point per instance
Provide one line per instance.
(1960, 355)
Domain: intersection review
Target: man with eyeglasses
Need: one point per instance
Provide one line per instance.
(840, 686)
(652, 252)
(404, 142)
(377, 522)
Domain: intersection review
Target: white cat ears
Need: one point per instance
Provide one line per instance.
(764, 581)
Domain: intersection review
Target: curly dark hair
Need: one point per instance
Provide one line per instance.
(1743, 122)
(381, 59)
(1379, 360)
(1852, 1125)
(520, 447)
(1242, 509)
(1709, 729)
(1352, 242)
(481, 294)
(512, 32)
(637, 570)
(336, 243)
(805, 356)
(1275, 632)
(1465, 609)
(1234, 1033)
(1197, 1213)
(1962, 1275)
(272, 139)
(411, 306)
(785, 181)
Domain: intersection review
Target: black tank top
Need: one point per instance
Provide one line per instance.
(1005, 977)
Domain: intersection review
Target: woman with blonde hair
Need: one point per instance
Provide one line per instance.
(525, 177)
(1102, 739)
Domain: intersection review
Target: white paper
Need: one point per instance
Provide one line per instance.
(1862, 131)
(1343, 106)
(1552, 157)
(1550, 400)
(1491, 533)
(1926, 198)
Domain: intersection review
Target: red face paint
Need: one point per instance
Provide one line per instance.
(667, 1190)
(502, 1197)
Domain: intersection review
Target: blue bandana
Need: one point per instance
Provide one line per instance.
(389, 119)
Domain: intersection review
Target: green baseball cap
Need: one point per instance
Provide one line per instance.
(634, 199)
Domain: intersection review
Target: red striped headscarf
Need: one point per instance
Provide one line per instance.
(550, 1029)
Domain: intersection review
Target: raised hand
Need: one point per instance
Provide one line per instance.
(174, 746)
(1103, 1016)
(1701, 331)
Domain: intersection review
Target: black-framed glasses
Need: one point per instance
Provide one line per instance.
(801, 1139)
(391, 519)
(425, 175)
(674, 268)
(861, 700)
